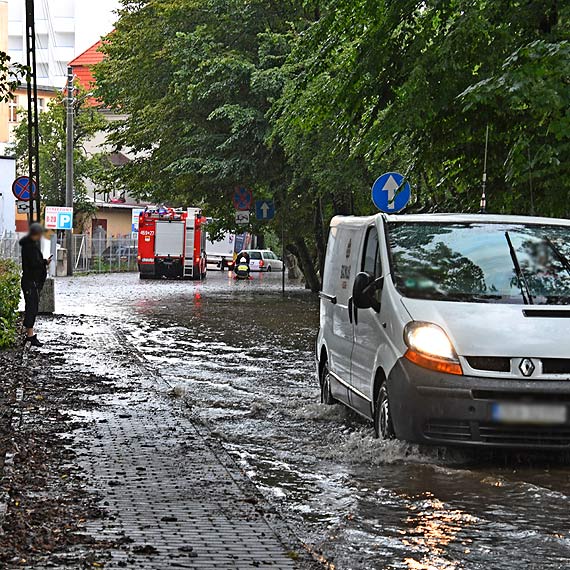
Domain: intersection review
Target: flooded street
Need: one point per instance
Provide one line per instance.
(243, 358)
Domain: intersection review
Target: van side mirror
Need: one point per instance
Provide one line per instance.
(363, 291)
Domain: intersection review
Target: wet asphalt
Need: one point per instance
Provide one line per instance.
(242, 355)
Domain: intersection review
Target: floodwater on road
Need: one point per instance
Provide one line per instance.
(243, 356)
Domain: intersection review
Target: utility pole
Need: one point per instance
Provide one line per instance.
(70, 129)
(33, 123)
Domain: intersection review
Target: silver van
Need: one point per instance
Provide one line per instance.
(450, 328)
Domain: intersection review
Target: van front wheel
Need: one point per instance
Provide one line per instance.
(383, 426)
(325, 380)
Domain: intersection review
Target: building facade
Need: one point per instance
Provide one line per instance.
(64, 29)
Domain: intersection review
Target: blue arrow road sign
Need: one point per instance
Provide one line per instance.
(264, 209)
(21, 188)
(390, 194)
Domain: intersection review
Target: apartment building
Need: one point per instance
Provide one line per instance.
(64, 29)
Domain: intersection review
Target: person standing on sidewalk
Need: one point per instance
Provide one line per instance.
(34, 275)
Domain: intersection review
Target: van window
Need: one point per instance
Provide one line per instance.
(255, 255)
(482, 262)
(371, 259)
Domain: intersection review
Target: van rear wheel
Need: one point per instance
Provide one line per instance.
(383, 427)
(325, 380)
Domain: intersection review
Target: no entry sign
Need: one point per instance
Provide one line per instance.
(23, 190)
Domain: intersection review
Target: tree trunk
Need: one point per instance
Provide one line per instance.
(299, 248)
(320, 237)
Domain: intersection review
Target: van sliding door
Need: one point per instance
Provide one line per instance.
(368, 331)
(342, 266)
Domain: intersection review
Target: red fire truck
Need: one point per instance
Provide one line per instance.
(172, 243)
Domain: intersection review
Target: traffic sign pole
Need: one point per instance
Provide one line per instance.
(283, 255)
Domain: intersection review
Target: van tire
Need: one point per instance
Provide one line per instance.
(383, 426)
(325, 381)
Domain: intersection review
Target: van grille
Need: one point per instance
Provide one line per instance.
(497, 434)
(452, 430)
(491, 363)
(503, 364)
(556, 366)
(506, 396)
(524, 435)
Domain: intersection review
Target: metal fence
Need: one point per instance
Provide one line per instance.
(90, 254)
(104, 255)
(10, 247)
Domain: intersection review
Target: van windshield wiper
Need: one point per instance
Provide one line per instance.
(527, 297)
(561, 257)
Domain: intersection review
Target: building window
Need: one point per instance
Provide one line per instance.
(41, 104)
(13, 112)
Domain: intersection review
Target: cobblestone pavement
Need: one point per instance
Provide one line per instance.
(171, 497)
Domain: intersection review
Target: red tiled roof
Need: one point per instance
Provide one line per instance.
(82, 66)
(89, 57)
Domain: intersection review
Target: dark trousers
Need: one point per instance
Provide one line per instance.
(32, 291)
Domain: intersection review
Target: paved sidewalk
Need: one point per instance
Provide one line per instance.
(170, 495)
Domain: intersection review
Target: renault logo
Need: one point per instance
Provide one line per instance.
(527, 367)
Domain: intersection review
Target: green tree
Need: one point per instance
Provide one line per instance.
(52, 150)
(309, 101)
(412, 86)
(196, 80)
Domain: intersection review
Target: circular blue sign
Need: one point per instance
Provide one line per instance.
(391, 192)
(21, 188)
(243, 199)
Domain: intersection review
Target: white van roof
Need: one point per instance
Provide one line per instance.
(450, 218)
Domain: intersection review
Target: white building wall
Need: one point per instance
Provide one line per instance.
(7, 200)
(64, 29)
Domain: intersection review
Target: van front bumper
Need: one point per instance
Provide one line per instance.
(445, 409)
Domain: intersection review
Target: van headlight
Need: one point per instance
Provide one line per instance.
(429, 347)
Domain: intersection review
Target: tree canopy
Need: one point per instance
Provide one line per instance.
(307, 102)
(52, 151)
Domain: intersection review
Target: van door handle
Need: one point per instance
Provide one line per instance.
(326, 297)
(352, 312)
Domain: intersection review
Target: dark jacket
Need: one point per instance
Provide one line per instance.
(34, 267)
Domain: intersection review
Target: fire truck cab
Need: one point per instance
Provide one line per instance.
(172, 244)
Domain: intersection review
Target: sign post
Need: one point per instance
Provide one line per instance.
(391, 192)
(283, 256)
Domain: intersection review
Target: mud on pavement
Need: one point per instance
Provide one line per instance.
(106, 469)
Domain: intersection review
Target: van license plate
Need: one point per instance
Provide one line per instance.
(529, 413)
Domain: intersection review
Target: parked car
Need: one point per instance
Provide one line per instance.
(450, 329)
(120, 253)
(263, 260)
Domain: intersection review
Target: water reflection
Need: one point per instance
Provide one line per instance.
(430, 530)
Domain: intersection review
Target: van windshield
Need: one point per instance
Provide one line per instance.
(481, 262)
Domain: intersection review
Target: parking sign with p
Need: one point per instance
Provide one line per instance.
(59, 218)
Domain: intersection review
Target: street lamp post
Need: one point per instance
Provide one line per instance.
(70, 128)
